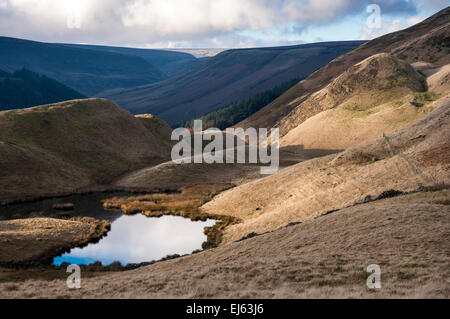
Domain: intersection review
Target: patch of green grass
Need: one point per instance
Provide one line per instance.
(402, 80)
(359, 110)
(423, 98)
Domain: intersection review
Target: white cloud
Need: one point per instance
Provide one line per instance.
(198, 16)
(389, 27)
(386, 27)
(146, 22)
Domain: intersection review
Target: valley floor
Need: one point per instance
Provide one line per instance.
(326, 257)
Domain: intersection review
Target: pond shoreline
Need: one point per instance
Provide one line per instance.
(45, 259)
(88, 191)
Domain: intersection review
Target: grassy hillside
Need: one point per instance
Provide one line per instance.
(87, 71)
(426, 42)
(61, 147)
(24, 88)
(228, 77)
(322, 258)
(407, 160)
(378, 95)
(158, 127)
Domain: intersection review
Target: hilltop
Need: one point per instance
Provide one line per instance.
(425, 42)
(226, 78)
(379, 95)
(62, 147)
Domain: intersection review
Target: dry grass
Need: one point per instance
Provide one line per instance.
(71, 145)
(404, 161)
(184, 203)
(422, 42)
(379, 95)
(38, 240)
(325, 257)
(171, 176)
(344, 127)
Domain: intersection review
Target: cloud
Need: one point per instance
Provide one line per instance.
(386, 27)
(389, 27)
(390, 7)
(431, 5)
(143, 22)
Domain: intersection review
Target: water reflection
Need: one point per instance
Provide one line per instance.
(135, 239)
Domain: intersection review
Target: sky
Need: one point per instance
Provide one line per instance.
(208, 23)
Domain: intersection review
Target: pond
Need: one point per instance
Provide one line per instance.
(136, 239)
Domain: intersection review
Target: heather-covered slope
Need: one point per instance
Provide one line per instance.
(24, 88)
(85, 70)
(168, 62)
(61, 147)
(226, 78)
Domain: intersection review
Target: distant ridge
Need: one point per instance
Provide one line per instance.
(87, 71)
(169, 62)
(226, 78)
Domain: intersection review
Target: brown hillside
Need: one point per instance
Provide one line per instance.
(405, 160)
(322, 258)
(376, 80)
(61, 147)
(378, 95)
(158, 127)
(427, 41)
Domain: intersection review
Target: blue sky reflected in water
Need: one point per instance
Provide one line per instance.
(135, 239)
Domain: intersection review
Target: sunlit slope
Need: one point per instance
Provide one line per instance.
(407, 160)
(427, 42)
(378, 95)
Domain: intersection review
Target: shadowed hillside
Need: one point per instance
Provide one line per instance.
(236, 112)
(61, 147)
(24, 88)
(228, 77)
(87, 71)
(169, 62)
